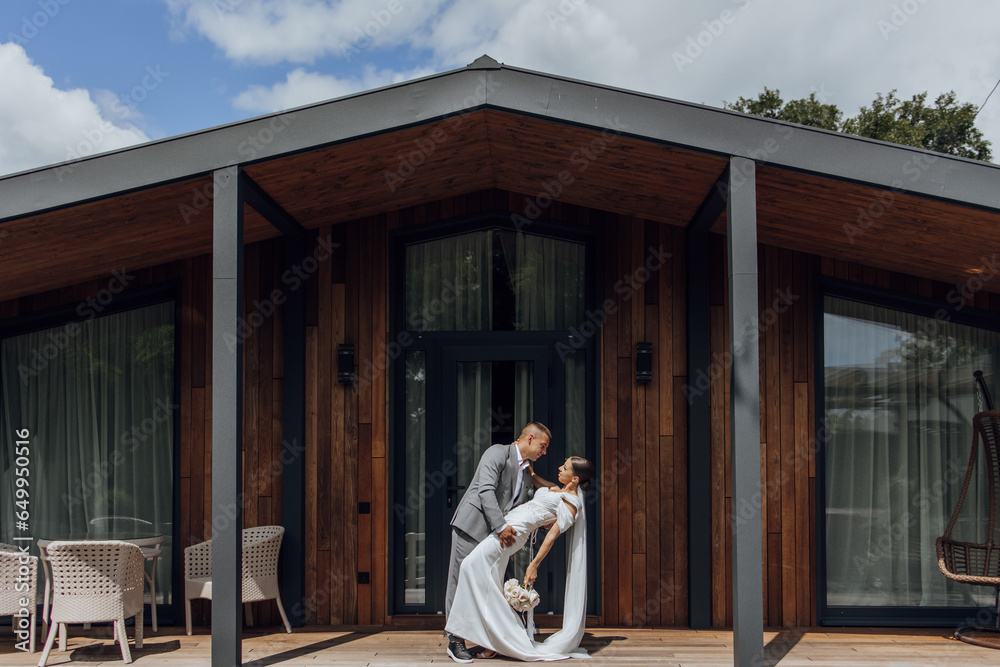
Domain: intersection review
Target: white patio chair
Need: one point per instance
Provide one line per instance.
(17, 587)
(260, 571)
(95, 582)
(151, 551)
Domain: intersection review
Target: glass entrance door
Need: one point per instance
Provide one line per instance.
(475, 397)
(492, 313)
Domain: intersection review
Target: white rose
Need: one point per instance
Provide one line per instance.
(533, 599)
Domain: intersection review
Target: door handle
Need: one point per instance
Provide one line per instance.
(452, 490)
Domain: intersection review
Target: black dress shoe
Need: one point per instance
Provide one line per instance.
(458, 652)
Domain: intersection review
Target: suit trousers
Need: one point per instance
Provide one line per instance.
(462, 545)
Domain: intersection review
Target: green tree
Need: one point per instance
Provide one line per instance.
(947, 126)
(886, 119)
(805, 111)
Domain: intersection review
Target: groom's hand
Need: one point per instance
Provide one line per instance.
(507, 536)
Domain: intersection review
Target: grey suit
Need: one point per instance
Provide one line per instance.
(481, 512)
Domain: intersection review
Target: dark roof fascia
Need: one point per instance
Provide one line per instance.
(266, 137)
(690, 126)
(869, 162)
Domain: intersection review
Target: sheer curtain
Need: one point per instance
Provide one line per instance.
(899, 405)
(449, 284)
(98, 404)
(576, 403)
(475, 380)
(548, 279)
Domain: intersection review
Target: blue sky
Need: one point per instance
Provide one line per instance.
(83, 76)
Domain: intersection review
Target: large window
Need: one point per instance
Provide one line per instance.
(898, 405)
(94, 401)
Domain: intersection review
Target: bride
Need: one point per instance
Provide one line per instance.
(481, 613)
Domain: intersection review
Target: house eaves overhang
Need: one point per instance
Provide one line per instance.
(488, 85)
(487, 127)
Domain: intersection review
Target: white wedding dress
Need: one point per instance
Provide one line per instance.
(481, 613)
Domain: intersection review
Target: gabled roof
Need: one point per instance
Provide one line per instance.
(492, 126)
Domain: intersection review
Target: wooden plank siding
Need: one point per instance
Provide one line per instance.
(643, 473)
(642, 436)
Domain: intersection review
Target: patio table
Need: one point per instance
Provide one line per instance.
(149, 545)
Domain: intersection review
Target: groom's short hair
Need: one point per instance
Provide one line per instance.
(537, 427)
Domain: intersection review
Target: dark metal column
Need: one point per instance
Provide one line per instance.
(227, 418)
(748, 600)
(293, 481)
(699, 422)
(293, 425)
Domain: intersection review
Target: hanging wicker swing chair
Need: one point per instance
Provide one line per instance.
(978, 563)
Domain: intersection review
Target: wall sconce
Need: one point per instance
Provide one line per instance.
(345, 363)
(644, 362)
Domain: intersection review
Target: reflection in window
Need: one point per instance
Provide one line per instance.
(97, 401)
(899, 401)
(415, 528)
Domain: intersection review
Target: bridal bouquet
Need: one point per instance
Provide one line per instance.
(523, 600)
(519, 597)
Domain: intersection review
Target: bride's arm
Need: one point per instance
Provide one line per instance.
(538, 481)
(531, 573)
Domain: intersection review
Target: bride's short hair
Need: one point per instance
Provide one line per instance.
(583, 469)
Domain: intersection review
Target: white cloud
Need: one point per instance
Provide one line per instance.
(302, 87)
(41, 124)
(852, 49)
(300, 31)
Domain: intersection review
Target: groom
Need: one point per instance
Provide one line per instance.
(501, 482)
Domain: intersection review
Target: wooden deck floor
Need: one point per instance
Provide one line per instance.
(609, 646)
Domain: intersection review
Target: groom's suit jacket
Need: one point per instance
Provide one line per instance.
(491, 493)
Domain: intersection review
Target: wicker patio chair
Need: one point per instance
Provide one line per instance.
(18, 586)
(977, 563)
(151, 550)
(95, 582)
(260, 571)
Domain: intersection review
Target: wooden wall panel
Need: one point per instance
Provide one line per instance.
(787, 423)
(788, 429)
(251, 382)
(643, 474)
(653, 488)
(312, 456)
(642, 433)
